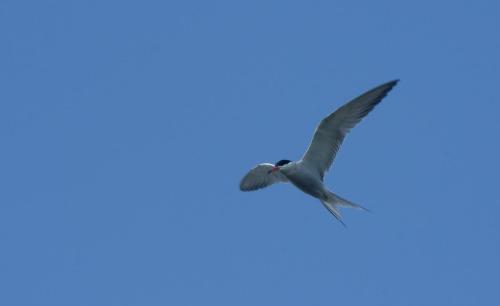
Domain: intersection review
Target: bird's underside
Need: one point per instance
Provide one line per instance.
(307, 173)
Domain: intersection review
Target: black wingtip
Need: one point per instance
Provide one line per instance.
(393, 82)
(386, 88)
(390, 84)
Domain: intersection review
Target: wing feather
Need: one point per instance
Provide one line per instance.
(331, 131)
(260, 177)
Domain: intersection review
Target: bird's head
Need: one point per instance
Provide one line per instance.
(279, 164)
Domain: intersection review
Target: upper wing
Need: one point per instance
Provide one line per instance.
(331, 131)
(260, 177)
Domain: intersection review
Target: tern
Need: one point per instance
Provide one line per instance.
(307, 173)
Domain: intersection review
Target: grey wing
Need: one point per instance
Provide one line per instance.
(331, 131)
(260, 177)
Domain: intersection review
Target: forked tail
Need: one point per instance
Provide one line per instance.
(333, 202)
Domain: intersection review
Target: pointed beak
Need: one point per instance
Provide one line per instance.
(273, 169)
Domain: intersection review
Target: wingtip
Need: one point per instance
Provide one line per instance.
(245, 188)
(386, 87)
(393, 82)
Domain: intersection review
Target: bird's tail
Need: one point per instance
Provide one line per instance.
(333, 202)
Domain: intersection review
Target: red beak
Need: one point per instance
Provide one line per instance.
(274, 169)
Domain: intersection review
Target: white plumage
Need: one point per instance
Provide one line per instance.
(307, 173)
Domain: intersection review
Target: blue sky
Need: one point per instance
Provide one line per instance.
(126, 127)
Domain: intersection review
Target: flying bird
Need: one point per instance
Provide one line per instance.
(307, 173)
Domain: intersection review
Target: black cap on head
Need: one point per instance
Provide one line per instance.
(282, 162)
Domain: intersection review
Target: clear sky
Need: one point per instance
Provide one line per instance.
(126, 127)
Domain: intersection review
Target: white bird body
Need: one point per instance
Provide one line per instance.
(307, 173)
(303, 178)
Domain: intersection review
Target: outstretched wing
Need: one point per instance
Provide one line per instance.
(331, 131)
(260, 177)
